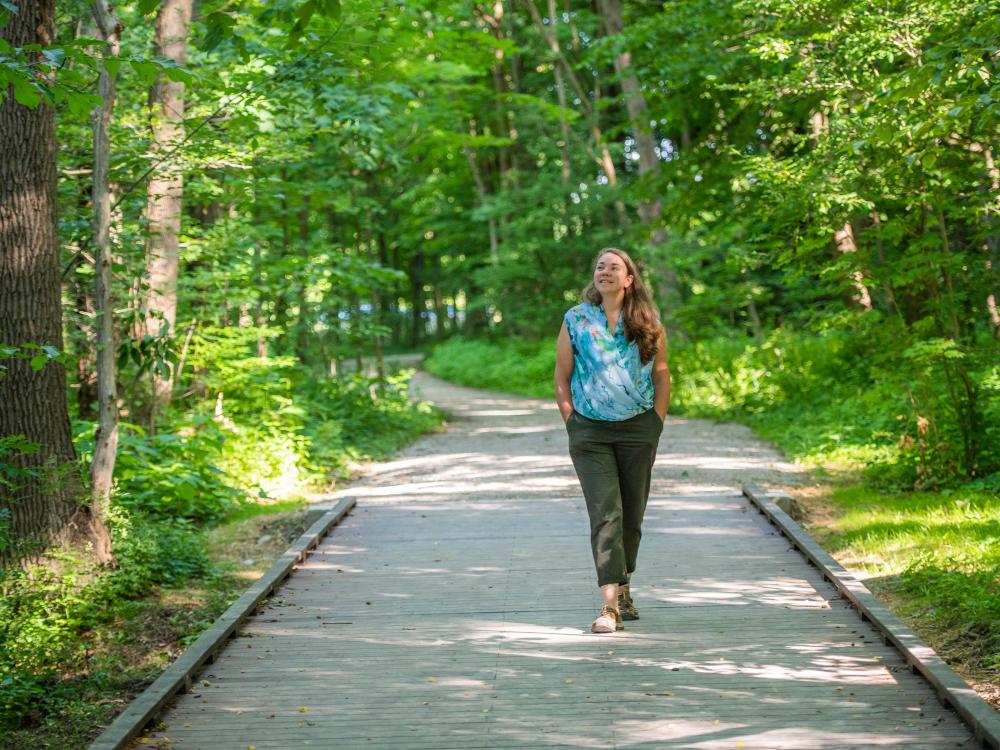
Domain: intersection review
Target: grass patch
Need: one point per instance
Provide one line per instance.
(934, 558)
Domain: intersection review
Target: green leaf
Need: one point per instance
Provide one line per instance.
(306, 10)
(145, 70)
(219, 26)
(330, 8)
(81, 104)
(148, 6)
(9, 6)
(51, 351)
(112, 65)
(38, 362)
(27, 93)
(177, 73)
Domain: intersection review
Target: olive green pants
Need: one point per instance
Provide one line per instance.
(614, 461)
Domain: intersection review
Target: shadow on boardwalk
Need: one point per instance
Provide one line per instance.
(451, 610)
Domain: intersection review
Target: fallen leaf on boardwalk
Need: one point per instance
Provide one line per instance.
(206, 683)
(425, 703)
(568, 681)
(251, 747)
(303, 709)
(741, 744)
(432, 679)
(716, 721)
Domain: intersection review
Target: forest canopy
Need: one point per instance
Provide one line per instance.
(211, 212)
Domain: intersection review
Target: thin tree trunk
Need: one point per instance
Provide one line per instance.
(844, 240)
(603, 156)
(102, 467)
(166, 186)
(482, 195)
(45, 508)
(302, 325)
(563, 107)
(416, 297)
(376, 307)
(992, 245)
(638, 111)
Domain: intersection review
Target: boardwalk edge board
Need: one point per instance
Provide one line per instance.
(179, 675)
(951, 689)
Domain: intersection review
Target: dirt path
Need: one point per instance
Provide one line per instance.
(516, 446)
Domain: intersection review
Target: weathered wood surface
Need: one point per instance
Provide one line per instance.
(451, 609)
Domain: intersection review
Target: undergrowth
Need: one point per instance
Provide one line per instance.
(69, 648)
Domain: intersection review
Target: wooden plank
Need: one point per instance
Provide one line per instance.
(956, 692)
(452, 610)
(179, 674)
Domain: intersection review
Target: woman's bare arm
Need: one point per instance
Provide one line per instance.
(661, 378)
(564, 373)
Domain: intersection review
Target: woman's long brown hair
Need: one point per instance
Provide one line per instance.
(640, 318)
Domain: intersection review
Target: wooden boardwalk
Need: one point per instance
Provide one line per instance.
(443, 613)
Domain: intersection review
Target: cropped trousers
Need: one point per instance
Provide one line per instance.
(614, 461)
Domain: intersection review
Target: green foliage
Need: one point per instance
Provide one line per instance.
(519, 367)
(169, 476)
(43, 613)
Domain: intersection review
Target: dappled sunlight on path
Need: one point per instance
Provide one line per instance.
(451, 609)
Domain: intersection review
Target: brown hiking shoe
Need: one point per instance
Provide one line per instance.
(607, 622)
(627, 607)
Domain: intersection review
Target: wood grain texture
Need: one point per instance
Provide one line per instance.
(448, 613)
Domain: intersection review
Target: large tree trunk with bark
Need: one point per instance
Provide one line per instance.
(44, 507)
(166, 186)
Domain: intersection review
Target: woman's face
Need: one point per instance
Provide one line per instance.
(610, 275)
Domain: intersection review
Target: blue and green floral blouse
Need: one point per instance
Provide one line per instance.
(609, 382)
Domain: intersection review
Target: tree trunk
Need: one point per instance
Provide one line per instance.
(44, 508)
(376, 306)
(302, 324)
(992, 244)
(482, 196)
(844, 239)
(416, 297)
(638, 112)
(563, 107)
(102, 467)
(602, 157)
(166, 185)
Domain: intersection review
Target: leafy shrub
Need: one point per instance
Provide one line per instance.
(522, 367)
(43, 612)
(169, 475)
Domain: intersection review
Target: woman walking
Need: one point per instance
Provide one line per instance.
(613, 387)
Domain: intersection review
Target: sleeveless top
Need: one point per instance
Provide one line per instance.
(609, 383)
